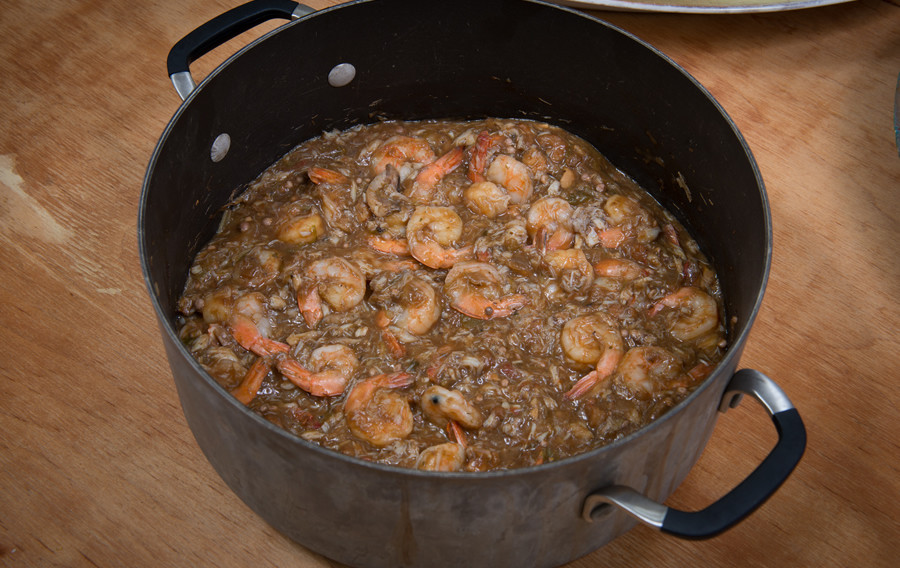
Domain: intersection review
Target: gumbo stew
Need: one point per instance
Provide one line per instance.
(453, 295)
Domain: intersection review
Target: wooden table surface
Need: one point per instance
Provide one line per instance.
(97, 465)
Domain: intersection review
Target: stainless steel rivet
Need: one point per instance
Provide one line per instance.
(341, 74)
(220, 147)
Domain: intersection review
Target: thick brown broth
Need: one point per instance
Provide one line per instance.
(516, 298)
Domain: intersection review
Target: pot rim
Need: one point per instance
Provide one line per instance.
(733, 352)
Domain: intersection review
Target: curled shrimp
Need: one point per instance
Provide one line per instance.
(476, 289)
(592, 341)
(218, 305)
(377, 414)
(397, 247)
(422, 189)
(250, 326)
(398, 150)
(301, 229)
(619, 269)
(431, 232)
(372, 263)
(448, 409)
(450, 456)
(549, 223)
(487, 198)
(330, 368)
(630, 219)
(571, 267)
(486, 146)
(513, 175)
(383, 194)
(416, 306)
(694, 313)
(645, 370)
(339, 283)
(441, 406)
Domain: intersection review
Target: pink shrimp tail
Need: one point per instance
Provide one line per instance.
(247, 335)
(398, 247)
(323, 175)
(311, 307)
(326, 383)
(583, 385)
(456, 433)
(436, 170)
(605, 367)
(249, 387)
(394, 380)
(478, 163)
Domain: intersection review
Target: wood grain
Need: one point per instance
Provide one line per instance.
(97, 465)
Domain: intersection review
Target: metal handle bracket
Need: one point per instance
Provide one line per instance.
(743, 499)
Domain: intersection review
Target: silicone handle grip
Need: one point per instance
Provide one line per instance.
(220, 29)
(743, 499)
(750, 493)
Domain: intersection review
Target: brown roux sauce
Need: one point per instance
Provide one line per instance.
(601, 248)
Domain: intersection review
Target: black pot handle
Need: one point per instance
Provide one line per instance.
(221, 29)
(743, 499)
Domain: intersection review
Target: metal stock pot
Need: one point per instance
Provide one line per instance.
(405, 59)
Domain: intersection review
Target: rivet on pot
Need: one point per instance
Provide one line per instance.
(341, 74)
(220, 147)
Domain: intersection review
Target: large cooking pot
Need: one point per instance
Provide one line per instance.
(407, 59)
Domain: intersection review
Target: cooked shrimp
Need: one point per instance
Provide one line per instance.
(592, 341)
(323, 175)
(448, 409)
(377, 414)
(476, 289)
(431, 232)
(571, 268)
(441, 406)
(250, 325)
(550, 223)
(302, 229)
(248, 335)
(486, 145)
(339, 283)
(620, 269)
(330, 368)
(398, 150)
(249, 387)
(513, 175)
(417, 306)
(422, 189)
(335, 357)
(383, 194)
(217, 306)
(371, 262)
(631, 218)
(450, 456)
(399, 247)
(487, 198)
(649, 369)
(695, 313)
(592, 224)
